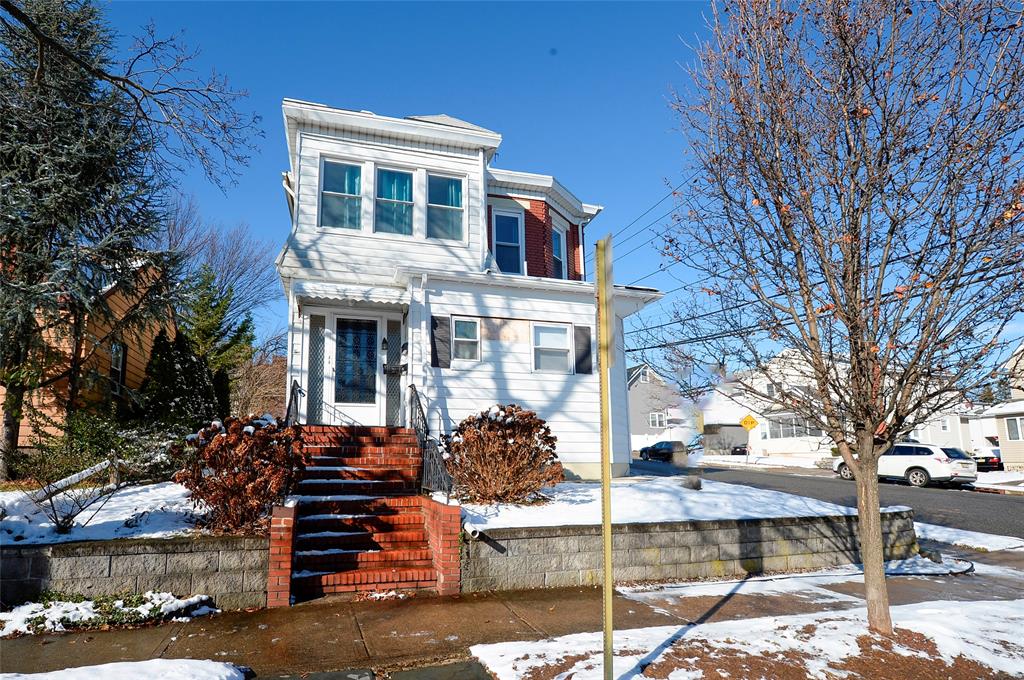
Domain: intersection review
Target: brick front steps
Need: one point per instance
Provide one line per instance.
(358, 522)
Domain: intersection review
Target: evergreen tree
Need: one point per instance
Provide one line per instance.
(224, 345)
(178, 388)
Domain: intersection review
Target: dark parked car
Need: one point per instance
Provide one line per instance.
(659, 451)
(740, 450)
(988, 458)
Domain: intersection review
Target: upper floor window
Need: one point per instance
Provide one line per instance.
(551, 349)
(393, 213)
(558, 270)
(645, 374)
(1014, 427)
(118, 364)
(508, 242)
(341, 203)
(444, 207)
(656, 420)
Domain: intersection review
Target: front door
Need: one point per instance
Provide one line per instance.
(355, 393)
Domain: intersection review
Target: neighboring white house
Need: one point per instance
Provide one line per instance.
(411, 261)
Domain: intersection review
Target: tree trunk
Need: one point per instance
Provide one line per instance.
(14, 400)
(871, 545)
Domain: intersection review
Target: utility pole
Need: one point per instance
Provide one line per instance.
(605, 336)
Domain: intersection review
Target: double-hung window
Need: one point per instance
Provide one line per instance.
(1014, 429)
(558, 270)
(444, 207)
(656, 420)
(551, 349)
(118, 364)
(341, 201)
(393, 211)
(508, 243)
(466, 339)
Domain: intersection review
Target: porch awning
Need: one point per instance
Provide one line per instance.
(322, 290)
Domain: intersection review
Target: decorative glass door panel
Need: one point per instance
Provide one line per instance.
(356, 361)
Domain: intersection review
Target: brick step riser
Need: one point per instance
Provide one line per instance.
(341, 566)
(309, 593)
(381, 559)
(358, 429)
(381, 464)
(370, 474)
(365, 577)
(363, 451)
(388, 505)
(355, 486)
(398, 521)
(365, 545)
(305, 538)
(360, 442)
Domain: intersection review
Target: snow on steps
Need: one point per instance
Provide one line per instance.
(359, 525)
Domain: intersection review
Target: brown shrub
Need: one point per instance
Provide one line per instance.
(503, 455)
(238, 469)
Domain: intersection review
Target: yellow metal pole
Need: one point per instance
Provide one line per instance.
(605, 334)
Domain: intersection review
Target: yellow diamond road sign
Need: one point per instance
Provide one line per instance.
(748, 422)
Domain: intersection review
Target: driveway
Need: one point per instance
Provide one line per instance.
(987, 513)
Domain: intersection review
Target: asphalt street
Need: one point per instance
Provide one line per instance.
(971, 510)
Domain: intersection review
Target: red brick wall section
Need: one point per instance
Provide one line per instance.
(279, 575)
(443, 524)
(538, 239)
(573, 247)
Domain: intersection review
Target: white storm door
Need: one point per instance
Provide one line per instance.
(355, 372)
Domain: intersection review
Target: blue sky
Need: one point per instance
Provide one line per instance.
(577, 90)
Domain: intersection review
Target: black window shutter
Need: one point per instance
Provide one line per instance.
(581, 335)
(440, 342)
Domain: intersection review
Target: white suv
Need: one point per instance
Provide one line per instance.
(920, 464)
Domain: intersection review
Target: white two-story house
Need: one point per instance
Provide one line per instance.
(411, 261)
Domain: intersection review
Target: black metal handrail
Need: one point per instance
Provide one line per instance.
(435, 473)
(291, 414)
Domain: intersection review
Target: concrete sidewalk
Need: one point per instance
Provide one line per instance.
(333, 635)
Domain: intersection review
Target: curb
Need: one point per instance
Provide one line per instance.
(1002, 492)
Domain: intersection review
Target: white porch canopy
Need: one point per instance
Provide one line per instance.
(334, 292)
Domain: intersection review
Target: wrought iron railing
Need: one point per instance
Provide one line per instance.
(435, 472)
(291, 414)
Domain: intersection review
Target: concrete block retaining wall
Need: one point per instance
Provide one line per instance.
(562, 556)
(230, 569)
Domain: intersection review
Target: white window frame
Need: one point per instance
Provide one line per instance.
(944, 424)
(320, 192)
(656, 417)
(519, 215)
(429, 205)
(457, 362)
(1019, 422)
(645, 374)
(377, 168)
(562, 256)
(570, 363)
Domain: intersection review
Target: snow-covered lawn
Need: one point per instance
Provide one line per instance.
(985, 632)
(56, 616)
(649, 499)
(1000, 477)
(152, 510)
(966, 539)
(154, 669)
(760, 461)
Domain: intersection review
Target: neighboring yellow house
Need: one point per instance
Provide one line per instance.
(120, 366)
(1010, 423)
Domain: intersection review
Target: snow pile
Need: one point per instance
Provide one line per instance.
(1000, 477)
(154, 669)
(761, 461)
(57, 616)
(973, 540)
(152, 510)
(986, 632)
(645, 499)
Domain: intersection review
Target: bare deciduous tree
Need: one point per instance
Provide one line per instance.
(258, 385)
(857, 204)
